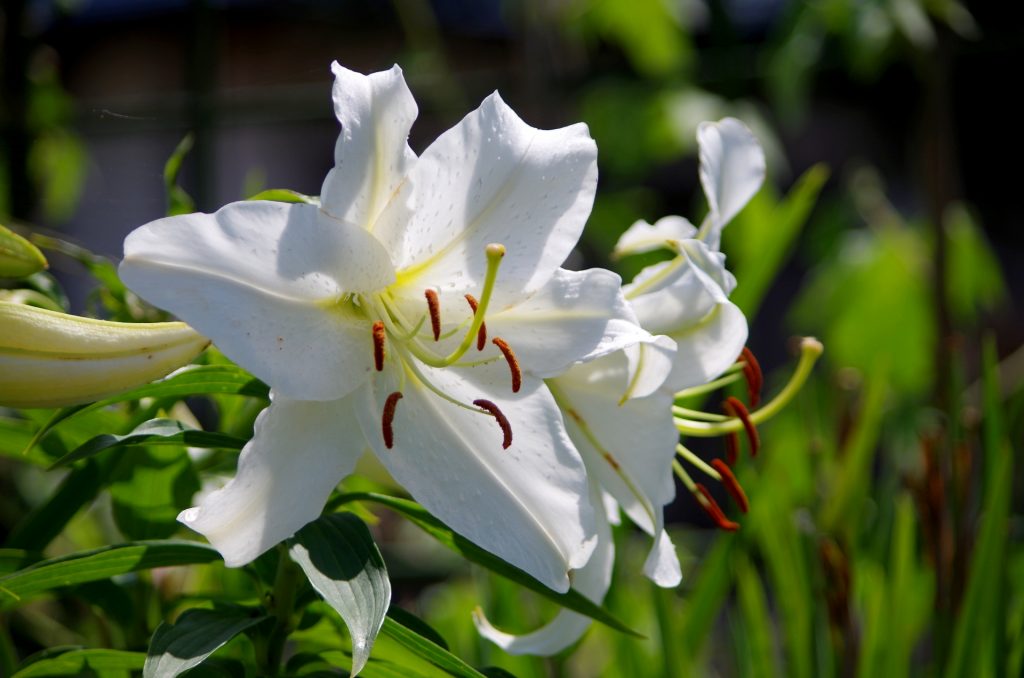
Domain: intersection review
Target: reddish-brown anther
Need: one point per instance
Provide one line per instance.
(434, 307)
(481, 335)
(513, 363)
(732, 486)
(494, 411)
(388, 418)
(713, 510)
(378, 345)
(734, 407)
(752, 373)
(732, 448)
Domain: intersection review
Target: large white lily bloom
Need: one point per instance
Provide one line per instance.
(628, 443)
(355, 312)
(687, 298)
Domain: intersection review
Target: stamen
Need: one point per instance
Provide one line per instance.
(736, 408)
(388, 418)
(434, 306)
(481, 335)
(732, 447)
(713, 510)
(732, 486)
(754, 376)
(492, 409)
(513, 364)
(378, 344)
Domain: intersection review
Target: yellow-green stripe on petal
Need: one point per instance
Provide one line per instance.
(50, 359)
(18, 257)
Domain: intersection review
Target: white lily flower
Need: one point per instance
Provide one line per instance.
(365, 315)
(687, 298)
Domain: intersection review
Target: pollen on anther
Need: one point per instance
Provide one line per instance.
(494, 411)
(434, 306)
(714, 511)
(735, 408)
(378, 345)
(481, 335)
(731, 485)
(753, 375)
(389, 416)
(732, 448)
(513, 363)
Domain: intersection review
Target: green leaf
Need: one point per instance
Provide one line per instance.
(286, 195)
(46, 521)
(188, 381)
(178, 201)
(343, 564)
(149, 488)
(196, 635)
(100, 564)
(83, 663)
(12, 560)
(153, 432)
(18, 257)
(420, 517)
(427, 650)
(981, 617)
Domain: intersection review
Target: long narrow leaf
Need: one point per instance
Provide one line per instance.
(100, 564)
(83, 663)
(427, 650)
(420, 517)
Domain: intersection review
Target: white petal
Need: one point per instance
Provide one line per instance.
(527, 504)
(706, 349)
(732, 169)
(493, 179)
(650, 366)
(592, 580)
(644, 237)
(629, 448)
(299, 452)
(261, 279)
(372, 156)
(576, 316)
(662, 564)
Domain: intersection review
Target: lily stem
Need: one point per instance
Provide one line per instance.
(281, 606)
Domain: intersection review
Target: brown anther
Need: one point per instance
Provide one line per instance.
(735, 408)
(378, 345)
(388, 418)
(731, 485)
(732, 448)
(492, 409)
(753, 375)
(714, 511)
(481, 335)
(434, 306)
(513, 363)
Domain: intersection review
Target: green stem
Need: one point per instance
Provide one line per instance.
(281, 606)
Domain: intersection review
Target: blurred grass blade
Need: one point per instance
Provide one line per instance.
(18, 257)
(178, 201)
(12, 560)
(420, 517)
(188, 381)
(759, 244)
(982, 612)
(286, 195)
(101, 563)
(153, 432)
(43, 523)
(757, 623)
(427, 650)
(80, 663)
(196, 635)
(343, 564)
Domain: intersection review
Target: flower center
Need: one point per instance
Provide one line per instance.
(402, 340)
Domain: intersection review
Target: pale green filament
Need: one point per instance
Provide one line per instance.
(685, 477)
(810, 350)
(697, 461)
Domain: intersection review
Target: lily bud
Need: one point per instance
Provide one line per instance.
(18, 257)
(50, 359)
